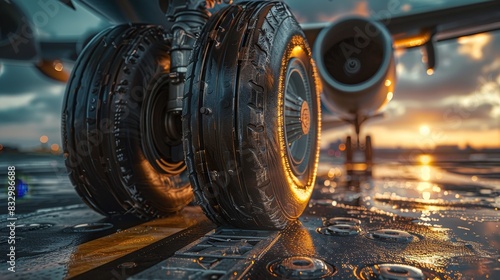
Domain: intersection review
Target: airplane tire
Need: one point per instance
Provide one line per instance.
(109, 139)
(251, 119)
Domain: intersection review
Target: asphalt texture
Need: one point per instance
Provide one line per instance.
(424, 221)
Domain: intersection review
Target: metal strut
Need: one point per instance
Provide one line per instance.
(357, 122)
(187, 18)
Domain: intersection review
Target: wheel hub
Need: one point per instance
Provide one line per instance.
(297, 116)
(161, 131)
(305, 118)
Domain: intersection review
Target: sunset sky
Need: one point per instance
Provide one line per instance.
(459, 104)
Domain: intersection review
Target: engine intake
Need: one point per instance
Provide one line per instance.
(355, 60)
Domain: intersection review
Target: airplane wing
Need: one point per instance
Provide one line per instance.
(423, 29)
(444, 24)
(330, 122)
(408, 31)
(19, 43)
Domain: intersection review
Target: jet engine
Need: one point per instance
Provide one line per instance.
(355, 60)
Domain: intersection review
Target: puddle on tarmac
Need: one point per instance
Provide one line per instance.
(452, 223)
(89, 227)
(340, 226)
(340, 230)
(344, 221)
(32, 227)
(301, 267)
(394, 271)
(392, 236)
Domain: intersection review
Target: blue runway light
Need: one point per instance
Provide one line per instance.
(22, 188)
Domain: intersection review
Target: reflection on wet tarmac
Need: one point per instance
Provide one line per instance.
(445, 198)
(439, 219)
(300, 267)
(93, 253)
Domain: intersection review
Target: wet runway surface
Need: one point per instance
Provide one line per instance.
(424, 220)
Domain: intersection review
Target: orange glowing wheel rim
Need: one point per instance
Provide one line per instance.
(301, 128)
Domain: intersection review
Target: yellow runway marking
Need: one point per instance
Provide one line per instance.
(97, 252)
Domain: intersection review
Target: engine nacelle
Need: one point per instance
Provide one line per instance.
(355, 60)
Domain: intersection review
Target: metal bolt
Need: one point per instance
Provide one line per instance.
(205, 110)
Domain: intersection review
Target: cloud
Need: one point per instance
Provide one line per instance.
(50, 19)
(23, 126)
(30, 106)
(37, 108)
(27, 136)
(328, 10)
(395, 109)
(325, 10)
(23, 79)
(407, 114)
(460, 101)
(494, 67)
(11, 102)
(474, 45)
(457, 73)
(486, 96)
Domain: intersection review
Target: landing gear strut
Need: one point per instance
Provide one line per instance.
(359, 156)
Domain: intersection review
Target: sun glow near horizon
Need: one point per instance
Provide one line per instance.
(387, 137)
(424, 129)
